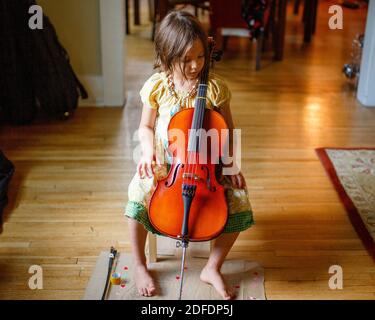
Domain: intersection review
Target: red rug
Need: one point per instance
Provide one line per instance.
(352, 172)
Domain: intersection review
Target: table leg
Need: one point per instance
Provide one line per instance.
(163, 8)
(137, 21)
(127, 29)
(309, 22)
(315, 15)
(296, 6)
(151, 9)
(281, 21)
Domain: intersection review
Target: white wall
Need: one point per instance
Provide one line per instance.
(112, 19)
(366, 86)
(93, 32)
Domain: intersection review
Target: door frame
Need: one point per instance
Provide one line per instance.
(366, 84)
(112, 42)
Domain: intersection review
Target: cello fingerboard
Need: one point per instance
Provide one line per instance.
(197, 124)
(200, 105)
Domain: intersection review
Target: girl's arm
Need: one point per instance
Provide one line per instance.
(237, 179)
(226, 113)
(146, 137)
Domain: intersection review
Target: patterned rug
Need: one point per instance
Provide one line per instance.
(352, 171)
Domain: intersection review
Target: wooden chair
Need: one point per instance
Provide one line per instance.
(309, 16)
(167, 247)
(152, 251)
(161, 7)
(136, 17)
(226, 21)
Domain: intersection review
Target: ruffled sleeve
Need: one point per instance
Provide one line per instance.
(152, 90)
(218, 92)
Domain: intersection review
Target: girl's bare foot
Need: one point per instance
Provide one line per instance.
(213, 276)
(144, 282)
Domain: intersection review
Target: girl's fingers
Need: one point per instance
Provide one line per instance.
(153, 164)
(143, 170)
(146, 166)
(146, 169)
(243, 182)
(139, 169)
(239, 179)
(149, 170)
(234, 181)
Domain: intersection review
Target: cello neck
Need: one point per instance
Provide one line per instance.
(200, 105)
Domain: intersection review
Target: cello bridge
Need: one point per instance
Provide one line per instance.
(191, 176)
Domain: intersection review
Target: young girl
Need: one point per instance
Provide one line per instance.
(181, 54)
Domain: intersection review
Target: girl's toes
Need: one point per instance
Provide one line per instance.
(151, 291)
(226, 295)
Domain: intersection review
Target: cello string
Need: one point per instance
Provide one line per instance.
(187, 163)
(190, 151)
(193, 138)
(201, 108)
(203, 102)
(192, 154)
(203, 94)
(197, 125)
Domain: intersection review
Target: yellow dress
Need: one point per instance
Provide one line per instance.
(156, 94)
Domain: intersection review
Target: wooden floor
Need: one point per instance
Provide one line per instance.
(70, 188)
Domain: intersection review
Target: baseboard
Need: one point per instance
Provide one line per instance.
(94, 86)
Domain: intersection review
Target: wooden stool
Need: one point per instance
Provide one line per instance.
(196, 249)
(152, 252)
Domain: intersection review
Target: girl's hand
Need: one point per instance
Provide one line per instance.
(238, 181)
(145, 167)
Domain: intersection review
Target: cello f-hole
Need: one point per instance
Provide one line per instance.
(174, 176)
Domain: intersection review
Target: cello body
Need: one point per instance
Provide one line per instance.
(206, 214)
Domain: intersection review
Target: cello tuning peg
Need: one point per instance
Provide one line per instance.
(217, 55)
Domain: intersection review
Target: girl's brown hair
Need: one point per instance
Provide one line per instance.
(176, 34)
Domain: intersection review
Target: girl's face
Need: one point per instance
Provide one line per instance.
(193, 61)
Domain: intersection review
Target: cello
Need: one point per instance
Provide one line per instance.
(189, 204)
